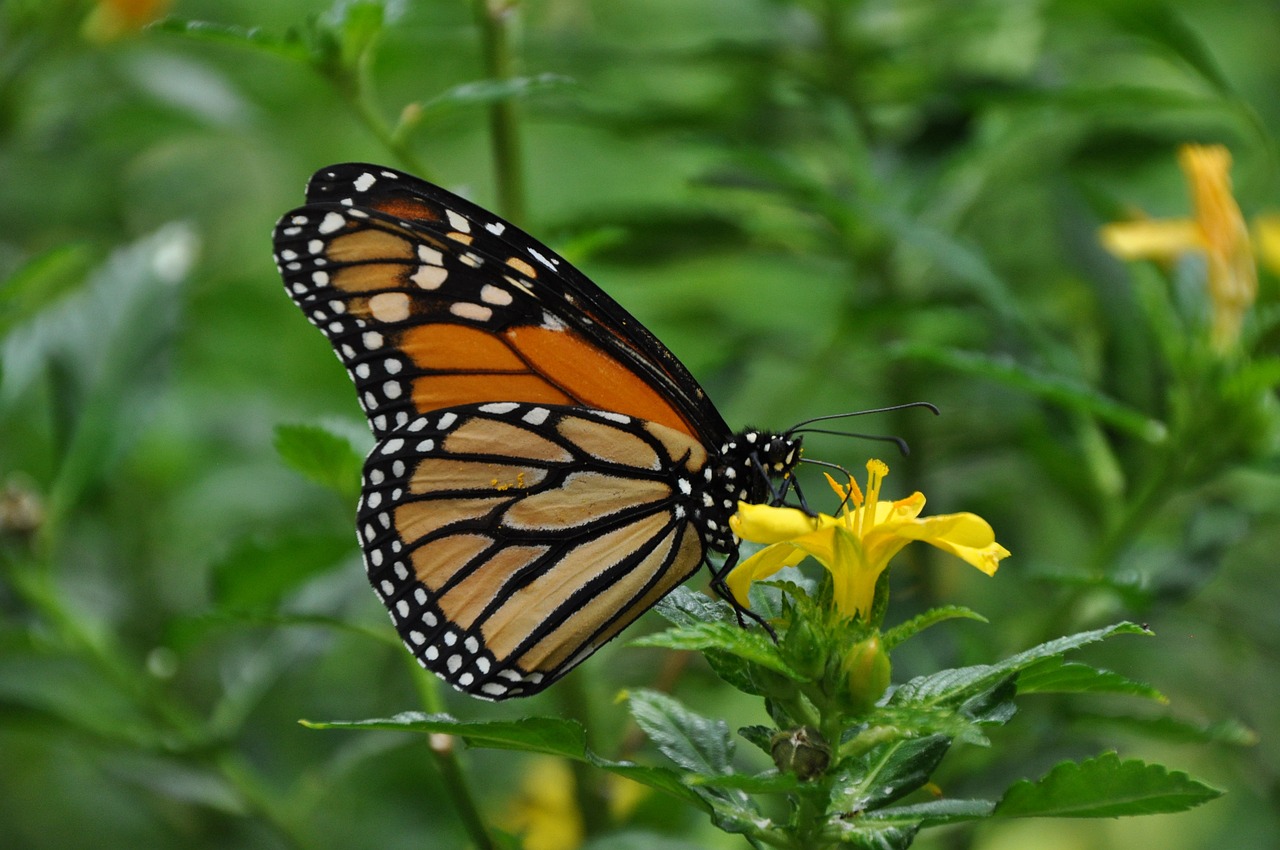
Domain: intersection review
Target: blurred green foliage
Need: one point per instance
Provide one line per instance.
(820, 205)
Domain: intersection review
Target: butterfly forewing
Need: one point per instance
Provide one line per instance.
(431, 302)
(509, 541)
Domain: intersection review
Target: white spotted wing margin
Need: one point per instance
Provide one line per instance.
(509, 541)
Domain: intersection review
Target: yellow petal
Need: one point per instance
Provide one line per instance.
(766, 524)
(967, 536)
(760, 566)
(1152, 240)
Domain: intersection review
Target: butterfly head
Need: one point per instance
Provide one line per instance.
(746, 470)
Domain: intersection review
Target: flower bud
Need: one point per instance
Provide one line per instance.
(802, 751)
(864, 674)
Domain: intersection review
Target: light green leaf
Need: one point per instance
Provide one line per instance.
(289, 46)
(1104, 787)
(752, 646)
(322, 454)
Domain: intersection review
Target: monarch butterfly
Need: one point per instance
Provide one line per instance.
(545, 469)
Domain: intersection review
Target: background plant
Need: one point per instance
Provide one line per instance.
(820, 206)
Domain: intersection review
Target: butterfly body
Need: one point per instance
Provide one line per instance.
(546, 469)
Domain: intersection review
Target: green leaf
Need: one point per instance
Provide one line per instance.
(888, 772)
(683, 607)
(548, 735)
(932, 813)
(41, 281)
(761, 783)
(486, 92)
(289, 46)
(695, 743)
(901, 632)
(1231, 732)
(730, 638)
(257, 573)
(949, 687)
(1064, 392)
(321, 454)
(104, 352)
(1104, 787)
(1056, 676)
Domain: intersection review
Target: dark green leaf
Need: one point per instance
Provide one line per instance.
(1054, 675)
(888, 772)
(1104, 787)
(321, 454)
(683, 607)
(696, 743)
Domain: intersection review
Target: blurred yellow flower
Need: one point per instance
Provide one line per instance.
(112, 19)
(544, 812)
(1218, 231)
(856, 546)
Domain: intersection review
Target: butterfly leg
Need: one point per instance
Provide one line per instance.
(722, 590)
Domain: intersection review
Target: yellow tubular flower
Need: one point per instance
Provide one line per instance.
(856, 546)
(1218, 231)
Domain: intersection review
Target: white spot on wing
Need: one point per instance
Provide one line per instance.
(458, 222)
(365, 181)
(332, 222)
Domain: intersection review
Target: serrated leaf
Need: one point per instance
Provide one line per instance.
(958, 684)
(257, 573)
(901, 632)
(1104, 787)
(761, 736)
(696, 743)
(321, 454)
(888, 772)
(1064, 392)
(1057, 676)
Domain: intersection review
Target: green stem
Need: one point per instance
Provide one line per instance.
(356, 87)
(444, 752)
(589, 794)
(494, 17)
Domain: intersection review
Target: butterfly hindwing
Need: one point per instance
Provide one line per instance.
(509, 541)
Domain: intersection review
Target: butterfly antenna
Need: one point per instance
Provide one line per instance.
(846, 473)
(902, 445)
(830, 416)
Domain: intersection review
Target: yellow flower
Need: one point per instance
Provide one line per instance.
(1218, 231)
(545, 812)
(856, 546)
(113, 19)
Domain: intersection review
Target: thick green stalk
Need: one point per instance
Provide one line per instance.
(495, 17)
